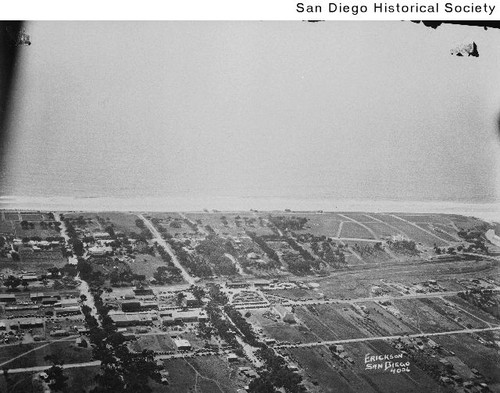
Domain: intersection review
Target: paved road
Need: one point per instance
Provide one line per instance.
(166, 246)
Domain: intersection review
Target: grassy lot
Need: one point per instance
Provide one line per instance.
(146, 264)
(464, 305)
(329, 320)
(207, 374)
(321, 371)
(474, 354)
(425, 317)
(157, 343)
(412, 232)
(427, 218)
(382, 230)
(67, 351)
(385, 321)
(378, 380)
(321, 224)
(360, 217)
(351, 229)
(36, 231)
(123, 222)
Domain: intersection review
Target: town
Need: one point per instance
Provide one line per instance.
(278, 301)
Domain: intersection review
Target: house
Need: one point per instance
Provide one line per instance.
(338, 348)
(232, 358)
(142, 291)
(101, 235)
(182, 345)
(190, 300)
(286, 316)
(97, 251)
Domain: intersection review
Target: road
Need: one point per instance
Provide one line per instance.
(73, 260)
(312, 344)
(236, 264)
(364, 339)
(166, 246)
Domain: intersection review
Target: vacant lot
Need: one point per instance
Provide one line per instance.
(207, 374)
(157, 343)
(413, 232)
(146, 264)
(351, 229)
(427, 315)
(326, 224)
(486, 360)
(328, 322)
(80, 380)
(66, 351)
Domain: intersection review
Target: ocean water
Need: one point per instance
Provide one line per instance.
(238, 116)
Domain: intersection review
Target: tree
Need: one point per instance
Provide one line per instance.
(111, 231)
(78, 247)
(180, 298)
(55, 374)
(12, 282)
(25, 284)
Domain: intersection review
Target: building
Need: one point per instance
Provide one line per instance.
(232, 358)
(236, 284)
(28, 323)
(65, 311)
(101, 235)
(189, 316)
(59, 333)
(182, 345)
(286, 316)
(123, 320)
(140, 291)
(131, 306)
(97, 251)
(7, 298)
(190, 300)
(29, 277)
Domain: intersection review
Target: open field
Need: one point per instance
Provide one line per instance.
(476, 355)
(352, 229)
(328, 321)
(210, 374)
(157, 343)
(66, 351)
(146, 264)
(80, 380)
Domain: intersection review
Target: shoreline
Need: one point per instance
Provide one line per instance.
(486, 211)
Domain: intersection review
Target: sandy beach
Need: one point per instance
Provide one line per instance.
(485, 211)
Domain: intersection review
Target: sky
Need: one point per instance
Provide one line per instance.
(337, 110)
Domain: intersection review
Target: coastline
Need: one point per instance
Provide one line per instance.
(486, 211)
